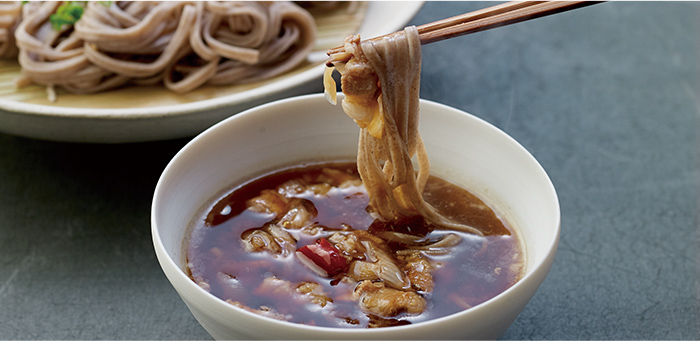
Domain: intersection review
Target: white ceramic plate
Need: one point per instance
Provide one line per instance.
(137, 114)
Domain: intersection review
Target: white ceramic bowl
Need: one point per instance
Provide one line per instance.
(462, 148)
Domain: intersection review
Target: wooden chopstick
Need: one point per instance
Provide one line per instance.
(492, 17)
(484, 19)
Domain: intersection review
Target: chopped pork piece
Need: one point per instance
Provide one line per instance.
(377, 299)
(292, 188)
(300, 214)
(388, 270)
(380, 262)
(259, 241)
(418, 270)
(348, 243)
(268, 201)
(314, 293)
(320, 189)
(313, 229)
(360, 79)
(274, 286)
(296, 187)
(270, 238)
(305, 292)
(279, 233)
(352, 243)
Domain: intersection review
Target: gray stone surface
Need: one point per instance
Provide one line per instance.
(607, 98)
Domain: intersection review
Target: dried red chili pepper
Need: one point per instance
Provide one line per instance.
(322, 258)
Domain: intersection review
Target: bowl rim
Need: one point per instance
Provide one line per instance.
(530, 272)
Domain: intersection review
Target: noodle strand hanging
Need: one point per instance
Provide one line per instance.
(381, 84)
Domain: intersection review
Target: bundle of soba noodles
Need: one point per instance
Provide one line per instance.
(184, 45)
(381, 81)
(10, 15)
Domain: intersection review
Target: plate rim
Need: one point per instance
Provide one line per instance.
(22, 113)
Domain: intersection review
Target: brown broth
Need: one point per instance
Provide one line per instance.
(475, 270)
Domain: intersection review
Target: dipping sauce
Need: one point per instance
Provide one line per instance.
(301, 245)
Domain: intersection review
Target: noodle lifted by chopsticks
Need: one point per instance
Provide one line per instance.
(381, 84)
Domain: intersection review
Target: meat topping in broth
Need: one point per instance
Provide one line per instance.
(303, 245)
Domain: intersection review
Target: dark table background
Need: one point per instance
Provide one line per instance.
(606, 97)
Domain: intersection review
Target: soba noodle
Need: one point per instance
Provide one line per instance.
(184, 45)
(381, 84)
(10, 15)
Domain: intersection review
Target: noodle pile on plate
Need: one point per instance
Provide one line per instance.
(381, 81)
(184, 45)
(10, 14)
